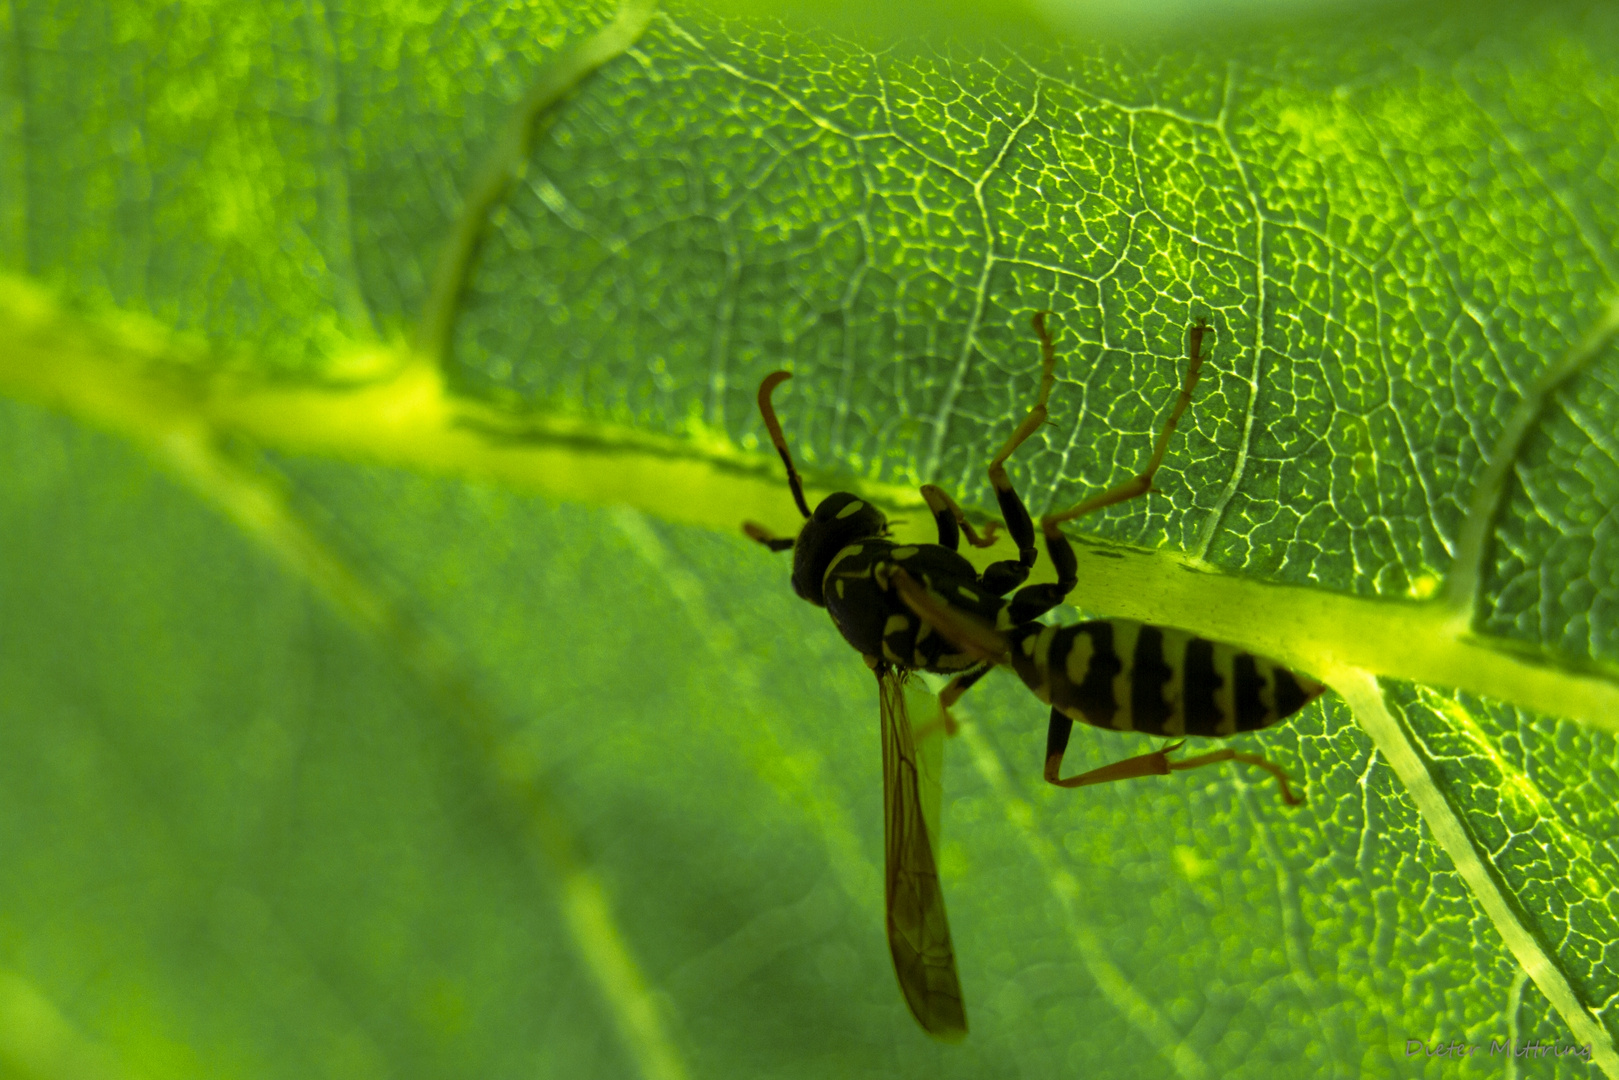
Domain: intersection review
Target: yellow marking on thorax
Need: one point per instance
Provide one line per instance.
(1125, 632)
(853, 508)
(904, 552)
(848, 552)
(968, 593)
(1225, 666)
(895, 624)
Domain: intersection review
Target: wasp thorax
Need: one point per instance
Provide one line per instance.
(839, 521)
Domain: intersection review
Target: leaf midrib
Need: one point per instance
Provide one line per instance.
(102, 373)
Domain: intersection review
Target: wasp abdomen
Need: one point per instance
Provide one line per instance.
(1133, 676)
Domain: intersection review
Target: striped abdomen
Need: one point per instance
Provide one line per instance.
(1132, 676)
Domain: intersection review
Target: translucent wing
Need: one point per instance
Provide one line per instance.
(927, 739)
(918, 932)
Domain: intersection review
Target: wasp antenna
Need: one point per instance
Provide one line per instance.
(772, 425)
(758, 532)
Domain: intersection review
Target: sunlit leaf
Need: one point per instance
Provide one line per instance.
(366, 712)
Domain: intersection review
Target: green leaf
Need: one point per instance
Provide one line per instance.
(382, 709)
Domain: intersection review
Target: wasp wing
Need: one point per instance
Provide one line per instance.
(927, 737)
(918, 931)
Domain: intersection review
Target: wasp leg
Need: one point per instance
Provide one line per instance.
(948, 517)
(1156, 763)
(1142, 484)
(1006, 575)
(760, 533)
(1032, 601)
(961, 684)
(1251, 759)
(978, 639)
(1153, 764)
(949, 696)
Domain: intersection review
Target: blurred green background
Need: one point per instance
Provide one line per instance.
(366, 714)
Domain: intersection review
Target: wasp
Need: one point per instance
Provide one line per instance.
(923, 607)
(1126, 675)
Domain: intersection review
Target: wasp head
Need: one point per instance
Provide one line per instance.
(841, 519)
